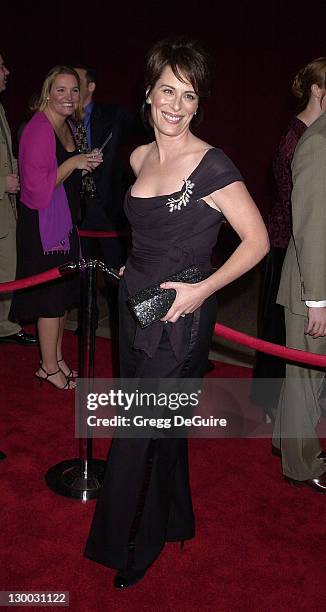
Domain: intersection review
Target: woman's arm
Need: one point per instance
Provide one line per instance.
(239, 209)
(84, 161)
(137, 158)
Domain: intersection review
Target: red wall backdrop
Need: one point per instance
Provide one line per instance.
(257, 48)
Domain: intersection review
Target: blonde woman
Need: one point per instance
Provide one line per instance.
(50, 172)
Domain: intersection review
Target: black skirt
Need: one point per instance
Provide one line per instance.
(50, 299)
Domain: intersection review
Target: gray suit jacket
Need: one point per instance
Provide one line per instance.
(304, 269)
(8, 165)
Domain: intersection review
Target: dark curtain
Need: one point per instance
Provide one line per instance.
(257, 48)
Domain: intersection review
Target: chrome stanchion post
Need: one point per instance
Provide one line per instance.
(82, 478)
(87, 347)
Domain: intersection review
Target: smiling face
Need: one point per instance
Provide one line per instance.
(173, 103)
(64, 95)
(4, 72)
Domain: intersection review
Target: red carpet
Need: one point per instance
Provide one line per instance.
(259, 545)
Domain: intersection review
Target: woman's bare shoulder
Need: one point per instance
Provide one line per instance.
(138, 157)
(200, 146)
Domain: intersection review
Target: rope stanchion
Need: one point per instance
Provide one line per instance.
(289, 354)
(81, 478)
(228, 333)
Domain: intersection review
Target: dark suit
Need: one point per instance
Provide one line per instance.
(105, 210)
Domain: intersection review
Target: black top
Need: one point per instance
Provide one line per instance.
(111, 178)
(72, 184)
(171, 232)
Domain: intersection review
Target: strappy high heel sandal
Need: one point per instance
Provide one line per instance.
(44, 379)
(71, 374)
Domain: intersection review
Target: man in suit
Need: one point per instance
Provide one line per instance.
(302, 292)
(9, 186)
(103, 209)
(102, 203)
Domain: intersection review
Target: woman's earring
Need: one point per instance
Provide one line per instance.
(195, 113)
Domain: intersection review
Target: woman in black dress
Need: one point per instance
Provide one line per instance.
(50, 172)
(183, 189)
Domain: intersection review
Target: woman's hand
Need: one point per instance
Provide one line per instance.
(189, 297)
(121, 270)
(88, 161)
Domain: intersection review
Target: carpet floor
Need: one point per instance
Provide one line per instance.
(259, 546)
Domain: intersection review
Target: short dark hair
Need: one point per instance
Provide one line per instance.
(90, 72)
(186, 59)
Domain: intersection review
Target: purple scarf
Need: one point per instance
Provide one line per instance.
(38, 174)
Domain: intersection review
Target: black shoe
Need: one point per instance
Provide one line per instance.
(318, 484)
(21, 337)
(126, 578)
(2, 456)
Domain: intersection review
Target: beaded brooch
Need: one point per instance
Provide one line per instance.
(183, 199)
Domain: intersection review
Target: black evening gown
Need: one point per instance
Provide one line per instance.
(54, 298)
(146, 500)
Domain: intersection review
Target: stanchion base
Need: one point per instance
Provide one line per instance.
(68, 478)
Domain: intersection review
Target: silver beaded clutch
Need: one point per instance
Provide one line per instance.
(151, 304)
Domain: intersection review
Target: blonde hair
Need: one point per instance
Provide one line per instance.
(313, 73)
(42, 101)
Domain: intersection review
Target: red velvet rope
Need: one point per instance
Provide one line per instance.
(37, 279)
(98, 234)
(269, 347)
(220, 330)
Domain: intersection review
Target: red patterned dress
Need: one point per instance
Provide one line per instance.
(271, 324)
